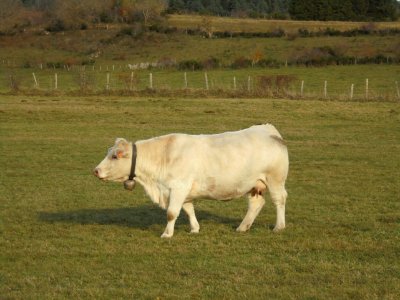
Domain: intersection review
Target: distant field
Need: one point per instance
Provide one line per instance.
(113, 47)
(260, 25)
(65, 234)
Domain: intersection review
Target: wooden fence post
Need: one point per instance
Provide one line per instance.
(108, 82)
(151, 80)
(36, 82)
(351, 91)
(131, 83)
(234, 83)
(398, 90)
(302, 88)
(185, 80)
(325, 88)
(55, 81)
(206, 80)
(248, 83)
(366, 88)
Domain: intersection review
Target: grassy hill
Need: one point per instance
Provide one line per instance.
(113, 47)
(121, 43)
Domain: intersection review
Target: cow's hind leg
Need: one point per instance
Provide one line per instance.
(256, 202)
(176, 200)
(278, 196)
(189, 209)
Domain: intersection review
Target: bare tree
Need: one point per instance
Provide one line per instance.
(150, 9)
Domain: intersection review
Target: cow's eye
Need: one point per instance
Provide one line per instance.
(114, 156)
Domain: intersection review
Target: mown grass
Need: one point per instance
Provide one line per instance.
(64, 234)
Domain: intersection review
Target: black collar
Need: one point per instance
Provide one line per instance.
(133, 165)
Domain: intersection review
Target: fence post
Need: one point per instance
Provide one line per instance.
(206, 80)
(248, 83)
(36, 82)
(351, 91)
(55, 81)
(131, 83)
(185, 80)
(234, 83)
(366, 88)
(151, 80)
(108, 82)
(398, 90)
(325, 88)
(302, 88)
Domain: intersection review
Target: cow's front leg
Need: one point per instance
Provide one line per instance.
(176, 200)
(189, 209)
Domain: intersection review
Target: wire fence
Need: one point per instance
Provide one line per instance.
(275, 83)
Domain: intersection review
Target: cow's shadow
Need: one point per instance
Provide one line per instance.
(141, 217)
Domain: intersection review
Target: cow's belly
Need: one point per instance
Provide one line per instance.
(219, 190)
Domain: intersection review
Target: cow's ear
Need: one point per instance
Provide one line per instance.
(121, 141)
(122, 146)
(121, 153)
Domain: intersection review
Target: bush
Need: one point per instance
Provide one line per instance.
(241, 62)
(192, 65)
(56, 25)
(13, 82)
(125, 31)
(278, 84)
(54, 65)
(268, 63)
(211, 63)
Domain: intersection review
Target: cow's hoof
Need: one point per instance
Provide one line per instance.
(194, 231)
(166, 236)
(278, 228)
(242, 228)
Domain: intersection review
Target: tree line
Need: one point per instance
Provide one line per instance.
(342, 10)
(352, 10)
(75, 14)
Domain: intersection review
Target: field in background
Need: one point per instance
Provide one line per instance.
(65, 234)
(259, 25)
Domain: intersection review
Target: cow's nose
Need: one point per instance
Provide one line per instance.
(96, 172)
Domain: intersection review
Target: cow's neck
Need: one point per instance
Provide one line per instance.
(150, 161)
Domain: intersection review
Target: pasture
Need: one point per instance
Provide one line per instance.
(260, 25)
(93, 80)
(65, 234)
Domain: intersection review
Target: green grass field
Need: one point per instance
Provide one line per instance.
(381, 80)
(65, 234)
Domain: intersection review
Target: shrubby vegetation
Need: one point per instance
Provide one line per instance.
(59, 15)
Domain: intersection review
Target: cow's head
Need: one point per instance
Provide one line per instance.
(116, 166)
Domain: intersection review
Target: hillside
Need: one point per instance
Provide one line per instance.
(181, 38)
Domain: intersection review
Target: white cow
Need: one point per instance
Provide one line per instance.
(175, 169)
